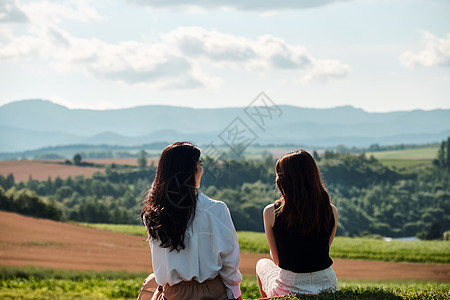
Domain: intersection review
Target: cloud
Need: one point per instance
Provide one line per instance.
(11, 13)
(264, 54)
(153, 64)
(435, 54)
(326, 70)
(251, 5)
(175, 59)
(45, 13)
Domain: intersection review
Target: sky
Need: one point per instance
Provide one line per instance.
(377, 55)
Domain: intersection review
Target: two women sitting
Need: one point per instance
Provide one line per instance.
(195, 250)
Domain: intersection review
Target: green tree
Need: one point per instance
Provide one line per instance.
(448, 153)
(9, 181)
(434, 232)
(77, 159)
(142, 160)
(316, 156)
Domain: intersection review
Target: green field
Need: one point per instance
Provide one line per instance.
(40, 283)
(428, 153)
(343, 247)
(365, 248)
(406, 163)
(138, 230)
(407, 158)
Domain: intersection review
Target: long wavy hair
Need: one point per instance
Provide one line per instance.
(305, 203)
(171, 201)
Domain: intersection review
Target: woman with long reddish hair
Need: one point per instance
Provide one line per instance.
(300, 227)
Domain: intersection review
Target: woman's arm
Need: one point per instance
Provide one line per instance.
(228, 243)
(269, 220)
(335, 214)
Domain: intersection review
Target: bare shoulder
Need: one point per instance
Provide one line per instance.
(269, 210)
(333, 208)
(269, 215)
(335, 212)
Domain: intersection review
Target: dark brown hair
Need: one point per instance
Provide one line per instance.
(304, 201)
(171, 201)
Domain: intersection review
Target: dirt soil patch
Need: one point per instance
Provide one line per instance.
(27, 241)
(42, 169)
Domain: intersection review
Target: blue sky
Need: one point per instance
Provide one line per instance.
(378, 55)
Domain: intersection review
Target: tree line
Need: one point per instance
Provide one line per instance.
(371, 198)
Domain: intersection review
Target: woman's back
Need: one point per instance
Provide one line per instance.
(195, 251)
(300, 227)
(301, 253)
(210, 235)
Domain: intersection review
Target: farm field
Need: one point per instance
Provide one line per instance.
(420, 153)
(119, 263)
(343, 247)
(406, 159)
(42, 169)
(26, 241)
(120, 161)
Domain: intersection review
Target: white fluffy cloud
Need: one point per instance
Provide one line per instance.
(262, 54)
(266, 53)
(436, 53)
(255, 5)
(175, 60)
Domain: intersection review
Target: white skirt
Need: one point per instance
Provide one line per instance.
(279, 282)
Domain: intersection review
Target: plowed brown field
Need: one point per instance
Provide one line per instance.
(26, 241)
(42, 169)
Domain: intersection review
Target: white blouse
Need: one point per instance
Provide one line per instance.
(211, 249)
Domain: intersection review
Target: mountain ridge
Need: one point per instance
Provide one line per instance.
(36, 123)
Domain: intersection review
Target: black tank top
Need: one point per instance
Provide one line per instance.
(300, 253)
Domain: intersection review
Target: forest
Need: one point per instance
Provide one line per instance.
(371, 198)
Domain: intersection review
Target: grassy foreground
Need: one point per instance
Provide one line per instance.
(343, 247)
(40, 283)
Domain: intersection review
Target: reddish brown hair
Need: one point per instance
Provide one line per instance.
(304, 201)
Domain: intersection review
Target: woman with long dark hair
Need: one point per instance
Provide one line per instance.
(300, 227)
(195, 251)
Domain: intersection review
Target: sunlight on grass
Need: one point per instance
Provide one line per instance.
(342, 247)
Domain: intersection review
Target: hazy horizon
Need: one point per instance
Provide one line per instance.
(219, 107)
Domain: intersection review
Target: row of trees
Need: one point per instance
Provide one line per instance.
(370, 197)
(27, 202)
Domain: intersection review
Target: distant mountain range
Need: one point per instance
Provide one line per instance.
(33, 124)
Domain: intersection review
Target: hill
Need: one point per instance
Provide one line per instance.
(32, 124)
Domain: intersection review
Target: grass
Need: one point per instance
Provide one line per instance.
(44, 283)
(428, 153)
(42, 244)
(138, 230)
(343, 247)
(407, 159)
(399, 251)
(41, 283)
(384, 290)
(407, 163)
(364, 248)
